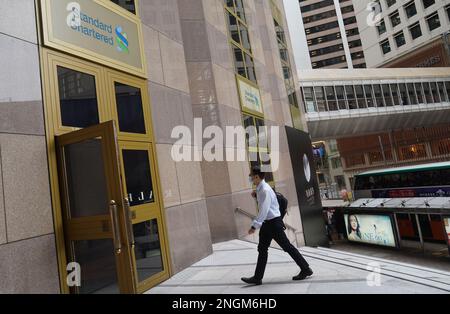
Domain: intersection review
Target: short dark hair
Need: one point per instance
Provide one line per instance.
(256, 171)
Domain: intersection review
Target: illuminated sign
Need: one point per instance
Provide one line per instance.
(371, 229)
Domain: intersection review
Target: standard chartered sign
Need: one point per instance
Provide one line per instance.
(95, 29)
(250, 96)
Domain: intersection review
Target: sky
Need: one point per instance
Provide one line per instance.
(297, 34)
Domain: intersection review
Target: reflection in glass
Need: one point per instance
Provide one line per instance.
(138, 177)
(86, 182)
(129, 109)
(77, 98)
(98, 266)
(147, 249)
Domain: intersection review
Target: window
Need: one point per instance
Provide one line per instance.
(400, 39)
(77, 98)
(320, 98)
(428, 3)
(395, 19)
(355, 160)
(336, 163)
(239, 35)
(387, 95)
(385, 46)
(381, 28)
(394, 90)
(360, 96)
(331, 98)
(309, 99)
(412, 152)
(390, 3)
(351, 97)
(129, 109)
(442, 93)
(404, 99)
(419, 93)
(340, 94)
(412, 94)
(435, 92)
(369, 95)
(415, 30)
(433, 21)
(427, 92)
(410, 9)
(377, 92)
(315, 6)
(126, 4)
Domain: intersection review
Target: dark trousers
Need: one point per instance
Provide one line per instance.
(274, 230)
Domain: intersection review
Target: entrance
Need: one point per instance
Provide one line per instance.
(105, 184)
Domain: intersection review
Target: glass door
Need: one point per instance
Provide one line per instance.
(96, 217)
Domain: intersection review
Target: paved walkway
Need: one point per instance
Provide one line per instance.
(335, 272)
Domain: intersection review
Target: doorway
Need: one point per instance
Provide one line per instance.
(105, 183)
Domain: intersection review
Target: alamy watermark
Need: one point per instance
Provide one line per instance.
(374, 17)
(374, 277)
(216, 144)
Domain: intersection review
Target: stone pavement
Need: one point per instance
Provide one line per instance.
(336, 272)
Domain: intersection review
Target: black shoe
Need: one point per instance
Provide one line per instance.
(252, 281)
(303, 274)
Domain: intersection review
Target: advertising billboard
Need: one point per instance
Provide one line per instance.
(447, 229)
(370, 229)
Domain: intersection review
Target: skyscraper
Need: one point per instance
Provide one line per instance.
(332, 34)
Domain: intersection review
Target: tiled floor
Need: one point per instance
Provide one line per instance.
(335, 272)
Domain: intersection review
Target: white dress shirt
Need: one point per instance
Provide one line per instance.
(267, 204)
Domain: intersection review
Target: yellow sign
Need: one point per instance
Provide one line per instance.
(96, 30)
(250, 97)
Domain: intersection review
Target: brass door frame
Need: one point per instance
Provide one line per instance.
(91, 226)
(49, 60)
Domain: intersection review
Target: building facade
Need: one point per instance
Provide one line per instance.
(404, 33)
(332, 34)
(77, 187)
(379, 118)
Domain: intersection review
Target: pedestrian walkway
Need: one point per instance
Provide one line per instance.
(335, 272)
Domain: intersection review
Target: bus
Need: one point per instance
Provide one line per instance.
(427, 180)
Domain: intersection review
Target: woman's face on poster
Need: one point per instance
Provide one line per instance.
(353, 223)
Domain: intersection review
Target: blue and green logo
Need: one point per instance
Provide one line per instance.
(122, 40)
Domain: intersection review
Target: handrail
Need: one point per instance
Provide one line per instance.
(245, 213)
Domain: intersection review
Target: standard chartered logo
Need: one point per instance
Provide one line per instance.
(122, 40)
(96, 29)
(73, 18)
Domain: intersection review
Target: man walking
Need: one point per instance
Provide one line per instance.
(272, 228)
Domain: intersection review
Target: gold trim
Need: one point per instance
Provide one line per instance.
(243, 108)
(51, 42)
(49, 61)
